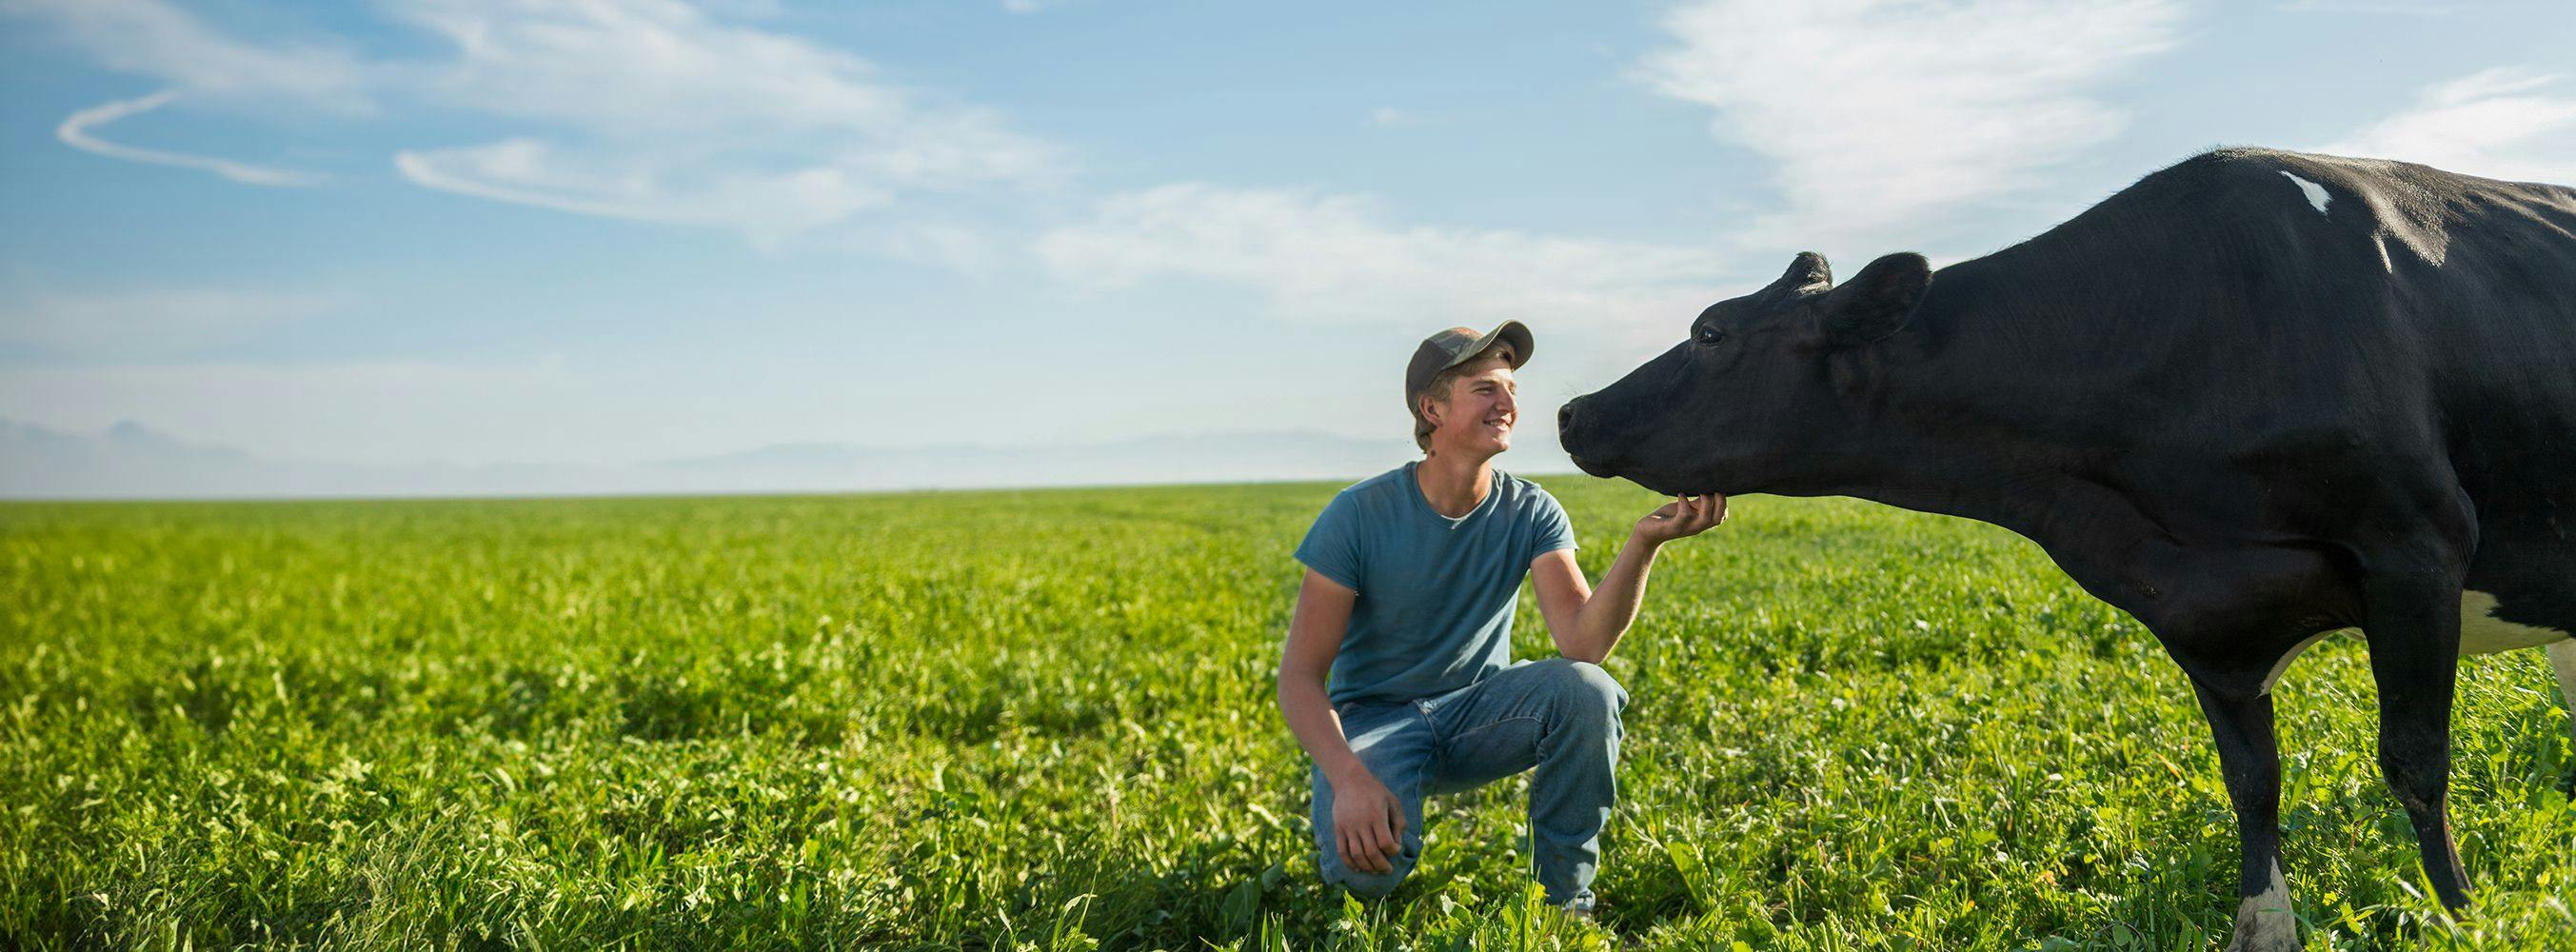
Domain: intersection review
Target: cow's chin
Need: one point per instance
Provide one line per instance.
(1675, 488)
(1670, 484)
(1666, 483)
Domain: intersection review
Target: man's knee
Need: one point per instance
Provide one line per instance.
(1587, 690)
(1374, 885)
(1368, 884)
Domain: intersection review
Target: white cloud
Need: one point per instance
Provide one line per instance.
(765, 207)
(1882, 114)
(638, 109)
(1326, 258)
(2499, 123)
(75, 132)
(640, 67)
(200, 66)
(674, 116)
(1366, 288)
(155, 39)
(1389, 117)
(153, 321)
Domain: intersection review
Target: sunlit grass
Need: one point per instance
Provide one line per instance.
(1043, 720)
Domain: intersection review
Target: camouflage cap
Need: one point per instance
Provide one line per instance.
(1450, 348)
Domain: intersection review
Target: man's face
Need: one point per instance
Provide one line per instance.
(1479, 414)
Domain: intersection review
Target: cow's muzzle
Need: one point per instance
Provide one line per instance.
(1570, 436)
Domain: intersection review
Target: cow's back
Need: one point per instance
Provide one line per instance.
(2480, 273)
(2264, 291)
(2274, 348)
(2251, 302)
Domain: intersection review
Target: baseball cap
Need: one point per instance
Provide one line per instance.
(1452, 347)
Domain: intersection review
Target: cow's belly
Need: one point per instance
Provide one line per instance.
(2483, 633)
(2480, 633)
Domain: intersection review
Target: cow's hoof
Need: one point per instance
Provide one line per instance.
(2268, 933)
(2273, 944)
(2265, 924)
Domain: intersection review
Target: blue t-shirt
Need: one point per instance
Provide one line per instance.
(1436, 594)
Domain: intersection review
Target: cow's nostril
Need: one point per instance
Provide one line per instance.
(1565, 418)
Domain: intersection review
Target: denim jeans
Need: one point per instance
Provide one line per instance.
(1557, 715)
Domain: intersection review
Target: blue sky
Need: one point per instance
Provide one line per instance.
(510, 231)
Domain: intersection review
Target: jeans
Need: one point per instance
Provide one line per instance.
(1557, 715)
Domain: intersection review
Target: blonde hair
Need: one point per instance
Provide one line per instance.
(1447, 380)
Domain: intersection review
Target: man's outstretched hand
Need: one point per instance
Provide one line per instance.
(1681, 518)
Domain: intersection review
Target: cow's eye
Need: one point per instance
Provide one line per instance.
(1709, 336)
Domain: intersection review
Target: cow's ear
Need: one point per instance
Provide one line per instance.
(1808, 273)
(1877, 301)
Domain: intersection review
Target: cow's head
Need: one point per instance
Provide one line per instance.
(1763, 391)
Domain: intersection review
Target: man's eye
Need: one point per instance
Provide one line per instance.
(1710, 335)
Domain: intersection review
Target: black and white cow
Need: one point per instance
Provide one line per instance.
(2254, 398)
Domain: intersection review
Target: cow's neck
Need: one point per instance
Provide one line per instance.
(2087, 526)
(2046, 496)
(1950, 434)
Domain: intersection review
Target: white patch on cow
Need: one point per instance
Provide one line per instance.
(2316, 193)
(2264, 922)
(2292, 655)
(2395, 205)
(2481, 632)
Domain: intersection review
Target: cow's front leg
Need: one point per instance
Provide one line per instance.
(2414, 634)
(2250, 760)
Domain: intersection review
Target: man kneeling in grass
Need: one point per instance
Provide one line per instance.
(1407, 603)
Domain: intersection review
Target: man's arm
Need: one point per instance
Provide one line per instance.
(1314, 637)
(1367, 820)
(1585, 623)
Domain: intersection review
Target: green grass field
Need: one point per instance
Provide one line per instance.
(1003, 720)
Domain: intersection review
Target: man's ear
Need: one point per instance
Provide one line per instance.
(1877, 301)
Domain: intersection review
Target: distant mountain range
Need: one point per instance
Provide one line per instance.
(130, 461)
